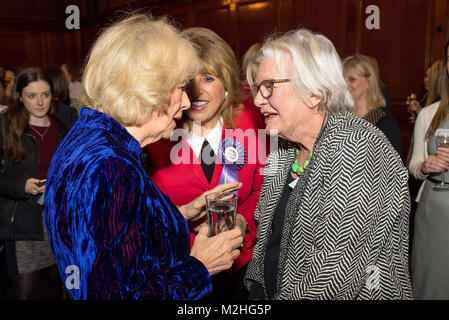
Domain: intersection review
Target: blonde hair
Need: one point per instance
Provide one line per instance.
(313, 65)
(362, 66)
(134, 66)
(375, 66)
(250, 54)
(443, 107)
(435, 78)
(218, 59)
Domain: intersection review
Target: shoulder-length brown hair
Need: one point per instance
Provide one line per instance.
(16, 118)
(218, 59)
(435, 77)
(442, 110)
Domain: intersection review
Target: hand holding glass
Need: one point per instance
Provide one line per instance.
(221, 212)
(442, 141)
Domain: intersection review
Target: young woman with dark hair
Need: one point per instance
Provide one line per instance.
(30, 131)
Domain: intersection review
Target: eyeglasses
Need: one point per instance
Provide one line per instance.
(266, 87)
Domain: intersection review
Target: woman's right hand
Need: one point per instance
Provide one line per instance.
(433, 164)
(31, 187)
(196, 208)
(219, 252)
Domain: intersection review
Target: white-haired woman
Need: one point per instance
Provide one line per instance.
(334, 204)
(113, 232)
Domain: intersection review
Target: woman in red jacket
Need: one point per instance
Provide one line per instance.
(217, 141)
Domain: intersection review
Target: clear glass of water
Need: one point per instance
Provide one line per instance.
(221, 212)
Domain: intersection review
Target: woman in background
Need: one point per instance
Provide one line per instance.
(368, 99)
(30, 133)
(75, 87)
(61, 95)
(8, 79)
(433, 87)
(430, 257)
(247, 97)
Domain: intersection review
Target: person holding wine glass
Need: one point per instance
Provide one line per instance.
(429, 161)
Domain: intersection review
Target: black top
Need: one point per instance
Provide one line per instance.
(390, 127)
(272, 250)
(386, 94)
(21, 217)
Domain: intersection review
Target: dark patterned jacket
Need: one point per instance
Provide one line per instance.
(346, 222)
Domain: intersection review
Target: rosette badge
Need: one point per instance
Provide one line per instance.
(232, 156)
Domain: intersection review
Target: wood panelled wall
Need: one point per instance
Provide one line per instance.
(33, 33)
(412, 33)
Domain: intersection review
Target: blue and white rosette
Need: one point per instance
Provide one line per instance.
(232, 156)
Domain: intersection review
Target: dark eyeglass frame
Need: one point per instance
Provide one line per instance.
(271, 86)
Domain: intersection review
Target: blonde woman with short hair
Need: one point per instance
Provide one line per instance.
(369, 102)
(107, 221)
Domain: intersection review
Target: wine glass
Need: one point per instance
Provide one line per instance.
(411, 99)
(442, 141)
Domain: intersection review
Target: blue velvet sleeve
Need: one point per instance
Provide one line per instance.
(139, 239)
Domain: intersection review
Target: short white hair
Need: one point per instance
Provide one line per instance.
(314, 66)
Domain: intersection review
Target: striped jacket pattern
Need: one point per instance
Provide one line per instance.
(345, 229)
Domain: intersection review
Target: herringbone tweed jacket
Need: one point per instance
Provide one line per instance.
(345, 231)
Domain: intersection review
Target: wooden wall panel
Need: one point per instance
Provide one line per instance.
(255, 21)
(331, 18)
(14, 52)
(217, 19)
(33, 47)
(399, 44)
(34, 50)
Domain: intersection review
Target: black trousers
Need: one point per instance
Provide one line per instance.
(43, 284)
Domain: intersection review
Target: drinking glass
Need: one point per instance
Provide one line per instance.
(442, 141)
(411, 98)
(221, 212)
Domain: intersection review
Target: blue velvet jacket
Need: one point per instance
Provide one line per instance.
(114, 234)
